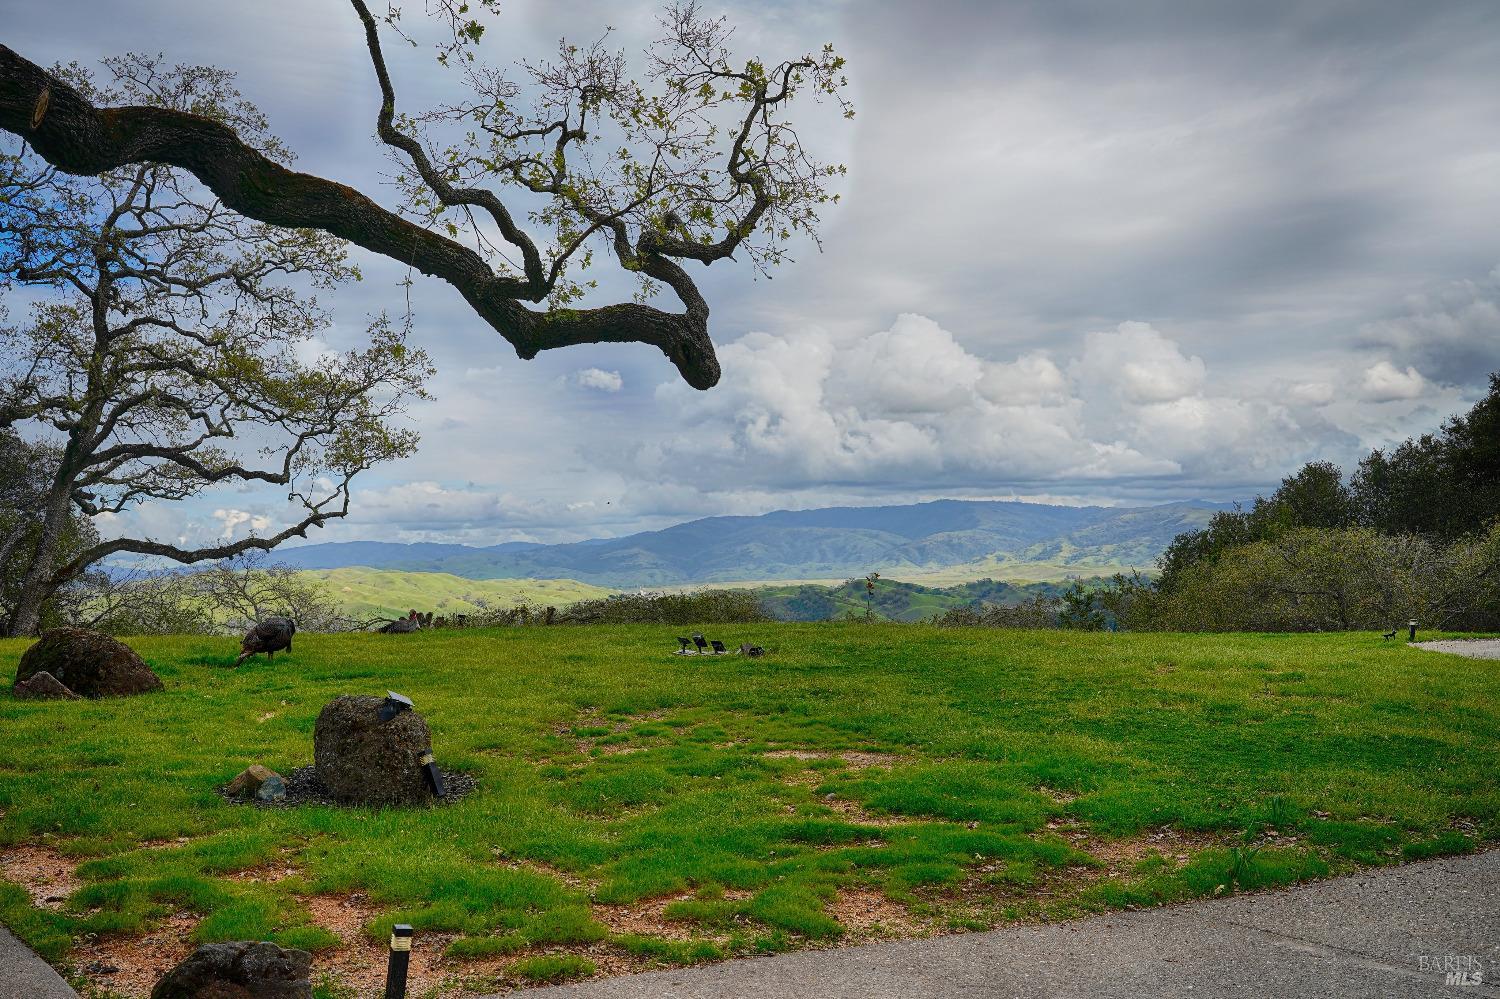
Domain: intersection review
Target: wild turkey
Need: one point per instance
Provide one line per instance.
(270, 636)
(402, 625)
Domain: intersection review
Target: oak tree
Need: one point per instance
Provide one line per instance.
(691, 163)
(162, 356)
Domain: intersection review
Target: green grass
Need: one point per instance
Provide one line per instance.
(364, 593)
(1356, 751)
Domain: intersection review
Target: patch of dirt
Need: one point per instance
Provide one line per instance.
(360, 963)
(648, 917)
(568, 878)
(1118, 856)
(47, 875)
(617, 724)
(855, 813)
(854, 759)
(268, 874)
(865, 913)
(131, 966)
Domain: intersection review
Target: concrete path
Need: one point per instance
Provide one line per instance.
(23, 975)
(1474, 648)
(1394, 932)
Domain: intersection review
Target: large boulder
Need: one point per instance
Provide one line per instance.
(362, 760)
(88, 663)
(240, 970)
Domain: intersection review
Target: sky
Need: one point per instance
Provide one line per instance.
(1086, 252)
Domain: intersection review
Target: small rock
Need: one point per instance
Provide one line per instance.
(42, 686)
(249, 783)
(271, 790)
(241, 970)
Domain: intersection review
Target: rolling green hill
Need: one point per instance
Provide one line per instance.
(945, 541)
(893, 600)
(367, 593)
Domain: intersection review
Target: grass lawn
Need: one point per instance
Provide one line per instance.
(639, 808)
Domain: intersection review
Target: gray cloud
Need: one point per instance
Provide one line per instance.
(1150, 250)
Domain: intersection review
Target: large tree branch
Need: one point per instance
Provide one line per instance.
(69, 132)
(318, 514)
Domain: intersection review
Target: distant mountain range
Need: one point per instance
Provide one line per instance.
(940, 543)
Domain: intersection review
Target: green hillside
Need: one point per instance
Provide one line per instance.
(367, 593)
(893, 600)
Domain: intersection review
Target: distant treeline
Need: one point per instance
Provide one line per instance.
(1412, 534)
(893, 600)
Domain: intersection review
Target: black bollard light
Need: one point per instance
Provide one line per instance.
(434, 776)
(1411, 633)
(395, 971)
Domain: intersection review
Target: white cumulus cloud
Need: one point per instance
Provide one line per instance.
(1384, 382)
(599, 380)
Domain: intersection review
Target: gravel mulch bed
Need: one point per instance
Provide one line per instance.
(304, 788)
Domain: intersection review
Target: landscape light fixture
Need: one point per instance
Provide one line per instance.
(434, 775)
(394, 705)
(395, 969)
(1411, 634)
(684, 642)
(701, 642)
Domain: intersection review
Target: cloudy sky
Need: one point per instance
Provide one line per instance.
(1086, 250)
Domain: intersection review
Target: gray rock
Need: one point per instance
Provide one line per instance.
(241, 970)
(253, 781)
(88, 663)
(42, 686)
(273, 789)
(363, 760)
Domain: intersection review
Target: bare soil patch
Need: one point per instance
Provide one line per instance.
(866, 914)
(360, 962)
(130, 966)
(857, 760)
(46, 874)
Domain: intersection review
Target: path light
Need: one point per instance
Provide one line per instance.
(434, 775)
(1411, 630)
(395, 970)
(394, 704)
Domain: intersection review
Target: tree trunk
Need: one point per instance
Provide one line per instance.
(39, 584)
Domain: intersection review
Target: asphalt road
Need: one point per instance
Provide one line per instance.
(23, 975)
(1396, 932)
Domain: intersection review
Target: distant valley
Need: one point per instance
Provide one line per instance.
(941, 543)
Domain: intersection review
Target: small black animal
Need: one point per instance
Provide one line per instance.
(1389, 634)
(270, 636)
